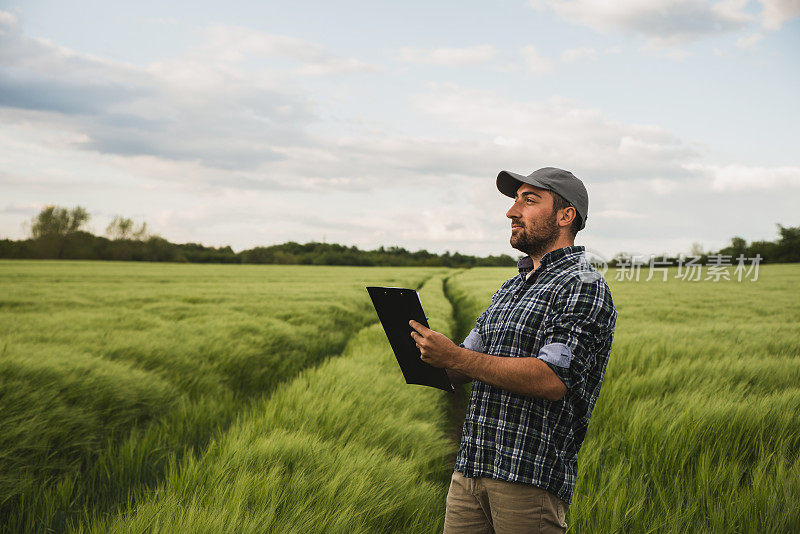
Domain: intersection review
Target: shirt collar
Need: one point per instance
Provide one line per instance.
(554, 259)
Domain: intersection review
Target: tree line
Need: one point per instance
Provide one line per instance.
(786, 249)
(58, 233)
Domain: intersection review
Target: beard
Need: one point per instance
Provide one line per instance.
(535, 241)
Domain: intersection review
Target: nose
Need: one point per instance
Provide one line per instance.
(513, 212)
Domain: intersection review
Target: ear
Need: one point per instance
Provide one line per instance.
(566, 216)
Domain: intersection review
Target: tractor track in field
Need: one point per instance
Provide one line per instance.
(253, 400)
(457, 406)
(295, 396)
(138, 490)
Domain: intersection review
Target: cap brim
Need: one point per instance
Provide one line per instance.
(508, 182)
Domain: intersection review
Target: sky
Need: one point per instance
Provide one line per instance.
(385, 123)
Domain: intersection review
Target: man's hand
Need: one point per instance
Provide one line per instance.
(435, 348)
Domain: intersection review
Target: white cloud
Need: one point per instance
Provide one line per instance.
(233, 43)
(30, 57)
(335, 66)
(640, 147)
(535, 63)
(448, 56)
(664, 23)
(579, 54)
(556, 132)
(8, 19)
(777, 12)
(663, 186)
(25, 208)
(749, 41)
(672, 53)
(748, 178)
(587, 54)
(218, 104)
(237, 44)
(618, 214)
(507, 141)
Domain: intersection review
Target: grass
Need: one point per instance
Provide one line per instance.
(217, 398)
(697, 428)
(112, 372)
(344, 447)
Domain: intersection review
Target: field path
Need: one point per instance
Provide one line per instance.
(346, 446)
(112, 374)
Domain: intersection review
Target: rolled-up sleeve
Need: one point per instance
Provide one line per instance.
(473, 341)
(581, 316)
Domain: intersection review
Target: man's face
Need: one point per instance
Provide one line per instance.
(533, 221)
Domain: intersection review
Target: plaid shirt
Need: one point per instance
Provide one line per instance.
(563, 314)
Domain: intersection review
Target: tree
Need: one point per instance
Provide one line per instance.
(58, 222)
(738, 245)
(789, 243)
(53, 226)
(124, 228)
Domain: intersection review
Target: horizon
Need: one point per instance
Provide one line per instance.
(515, 254)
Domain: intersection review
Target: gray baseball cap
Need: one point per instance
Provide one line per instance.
(557, 180)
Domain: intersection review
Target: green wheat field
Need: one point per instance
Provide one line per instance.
(138, 397)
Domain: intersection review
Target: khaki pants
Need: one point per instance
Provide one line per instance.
(487, 506)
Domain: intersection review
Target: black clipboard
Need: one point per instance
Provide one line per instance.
(396, 306)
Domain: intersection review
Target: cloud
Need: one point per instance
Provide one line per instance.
(749, 41)
(46, 93)
(335, 66)
(748, 178)
(448, 56)
(368, 163)
(535, 63)
(672, 53)
(230, 103)
(777, 12)
(22, 208)
(484, 133)
(35, 74)
(23, 55)
(237, 44)
(578, 54)
(558, 131)
(587, 54)
(663, 186)
(618, 214)
(664, 23)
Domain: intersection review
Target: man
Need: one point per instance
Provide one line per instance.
(536, 358)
